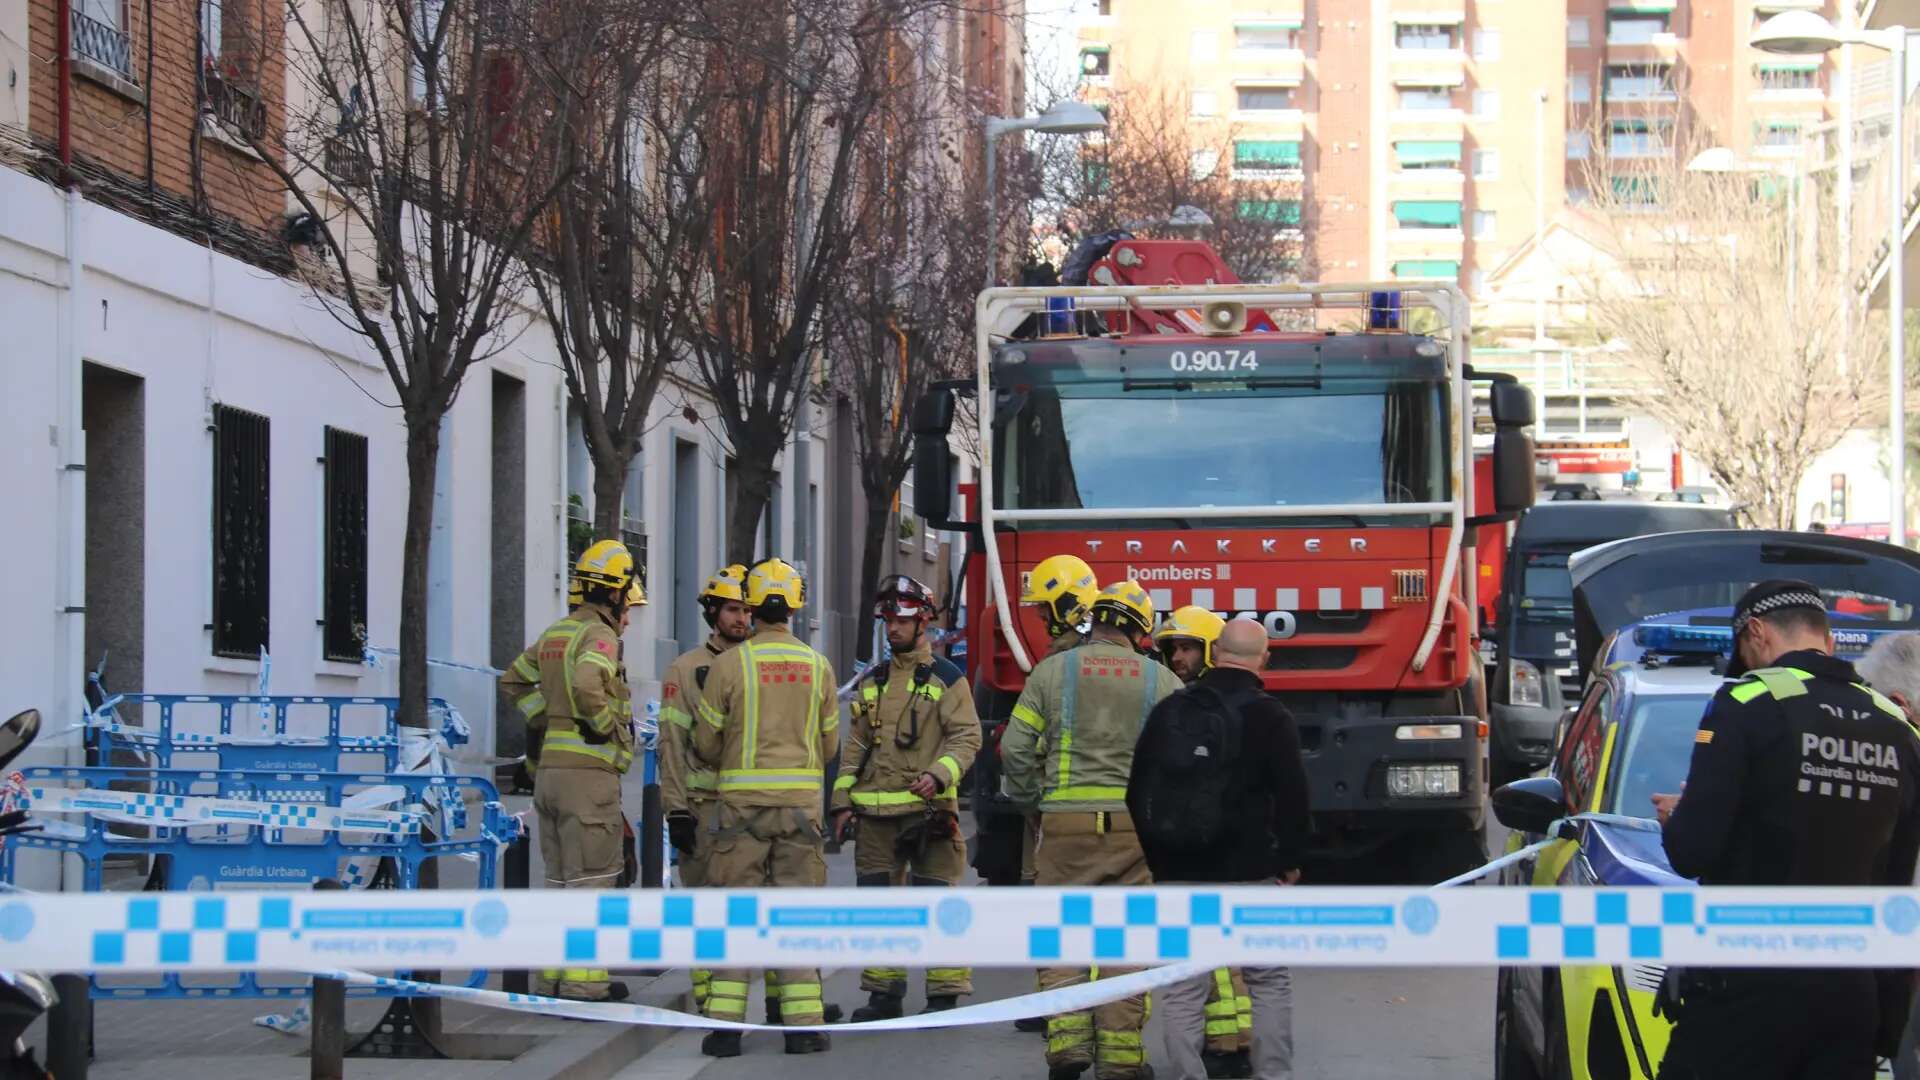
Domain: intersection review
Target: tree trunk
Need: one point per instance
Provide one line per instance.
(609, 488)
(753, 489)
(423, 458)
(872, 547)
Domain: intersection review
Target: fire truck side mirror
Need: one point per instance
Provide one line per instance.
(932, 459)
(1512, 470)
(933, 413)
(1511, 404)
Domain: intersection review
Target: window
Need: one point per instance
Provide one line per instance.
(230, 64)
(1636, 27)
(1579, 145)
(1426, 270)
(1486, 44)
(1426, 97)
(1486, 104)
(240, 549)
(1776, 133)
(1636, 191)
(1205, 103)
(1579, 33)
(427, 15)
(1639, 82)
(1426, 214)
(1486, 164)
(1577, 762)
(1203, 47)
(1637, 138)
(1579, 89)
(1788, 76)
(1265, 98)
(1266, 37)
(1428, 155)
(1099, 179)
(1281, 212)
(1277, 154)
(99, 34)
(1203, 163)
(1095, 62)
(1483, 224)
(1426, 36)
(344, 561)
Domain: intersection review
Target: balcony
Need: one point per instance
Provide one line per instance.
(102, 44)
(234, 108)
(345, 163)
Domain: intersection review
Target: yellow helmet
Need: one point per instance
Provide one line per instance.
(1065, 586)
(775, 588)
(1191, 623)
(636, 596)
(727, 583)
(606, 564)
(1125, 605)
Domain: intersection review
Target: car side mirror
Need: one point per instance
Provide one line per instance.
(1531, 805)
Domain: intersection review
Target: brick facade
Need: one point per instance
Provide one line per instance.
(111, 110)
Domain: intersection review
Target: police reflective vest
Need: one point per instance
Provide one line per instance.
(914, 715)
(571, 690)
(684, 780)
(769, 721)
(1069, 745)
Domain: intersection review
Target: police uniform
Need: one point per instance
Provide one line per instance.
(1801, 775)
(911, 717)
(1068, 751)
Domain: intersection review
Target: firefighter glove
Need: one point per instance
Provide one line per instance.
(680, 831)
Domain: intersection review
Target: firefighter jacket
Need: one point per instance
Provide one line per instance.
(913, 716)
(1801, 775)
(769, 721)
(684, 781)
(573, 691)
(1069, 745)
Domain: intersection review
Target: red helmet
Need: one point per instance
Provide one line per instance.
(902, 597)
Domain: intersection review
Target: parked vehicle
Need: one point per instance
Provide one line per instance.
(24, 996)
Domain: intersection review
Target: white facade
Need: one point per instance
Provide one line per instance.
(196, 329)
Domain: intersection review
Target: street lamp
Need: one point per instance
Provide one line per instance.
(1806, 32)
(1066, 117)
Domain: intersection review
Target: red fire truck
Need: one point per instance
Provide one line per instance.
(1322, 483)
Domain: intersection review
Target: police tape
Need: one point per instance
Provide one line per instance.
(973, 927)
(176, 811)
(1618, 821)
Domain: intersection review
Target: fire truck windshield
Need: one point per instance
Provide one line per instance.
(1114, 445)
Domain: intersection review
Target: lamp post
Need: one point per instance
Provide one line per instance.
(1804, 33)
(1064, 118)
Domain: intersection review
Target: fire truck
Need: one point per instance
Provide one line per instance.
(1319, 482)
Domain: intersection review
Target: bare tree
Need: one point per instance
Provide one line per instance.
(902, 319)
(628, 233)
(1736, 326)
(1153, 161)
(801, 82)
(410, 148)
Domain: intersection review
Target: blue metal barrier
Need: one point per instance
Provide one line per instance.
(286, 748)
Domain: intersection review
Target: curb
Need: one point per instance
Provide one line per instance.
(599, 1050)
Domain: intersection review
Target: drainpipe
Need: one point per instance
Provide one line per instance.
(63, 74)
(69, 640)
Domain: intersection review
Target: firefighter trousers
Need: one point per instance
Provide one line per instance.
(1093, 849)
(904, 849)
(757, 847)
(578, 819)
(693, 875)
(1229, 1012)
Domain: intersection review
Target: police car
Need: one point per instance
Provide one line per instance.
(1651, 617)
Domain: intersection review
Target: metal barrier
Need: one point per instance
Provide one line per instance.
(281, 744)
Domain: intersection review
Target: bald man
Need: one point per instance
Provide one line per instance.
(1255, 783)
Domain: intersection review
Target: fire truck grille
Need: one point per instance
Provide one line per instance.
(1409, 586)
(1311, 658)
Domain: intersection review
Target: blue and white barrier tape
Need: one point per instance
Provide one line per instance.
(177, 811)
(1620, 821)
(371, 654)
(980, 927)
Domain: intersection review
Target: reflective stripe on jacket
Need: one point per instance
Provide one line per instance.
(1069, 744)
(769, 721)
(570, 686)
(920, 719)
(685, 781)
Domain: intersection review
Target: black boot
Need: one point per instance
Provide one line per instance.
(807, 1042)
(1031, 1024)
(1219, 1064)
(721, 1044)
(1242, 1064)
(879, 1006)
(940, 1003)
(1066, 1072)
(773, 1011)
(833, 1015)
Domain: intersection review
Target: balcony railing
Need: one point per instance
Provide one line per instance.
(345, 163)
(235, 107)
(102, 43)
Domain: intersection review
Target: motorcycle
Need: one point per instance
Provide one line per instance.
(24, 997)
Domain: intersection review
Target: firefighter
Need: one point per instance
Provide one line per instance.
(768, 722)
(687, 791)
(1086, 707)
(1063, 588)
(1185, 642)
(571, 688)
(912, 737)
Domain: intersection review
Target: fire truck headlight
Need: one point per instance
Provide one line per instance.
(1423, 781)
(1427, 731)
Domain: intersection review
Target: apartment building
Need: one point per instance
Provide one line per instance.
(1434, 137)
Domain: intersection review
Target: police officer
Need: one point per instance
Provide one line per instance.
(1801, 775)
(912, 736)
(571, 687)
(768, 722)
(1185, 643)
(687, 790)
(1086, 706)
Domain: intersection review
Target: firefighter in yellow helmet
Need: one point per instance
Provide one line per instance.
(1063, 588)
(1185, 643)
(912, 736)
(1086, 707)
(768, 722)
(571, 687)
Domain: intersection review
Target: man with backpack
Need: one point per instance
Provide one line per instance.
(1218, 794)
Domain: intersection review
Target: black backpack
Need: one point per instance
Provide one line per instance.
(1191, 794)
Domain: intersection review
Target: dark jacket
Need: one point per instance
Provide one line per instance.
(1800, 776)
(1267, 790)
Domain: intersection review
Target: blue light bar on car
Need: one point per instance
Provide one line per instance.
(1684, 640)
(1383, 310)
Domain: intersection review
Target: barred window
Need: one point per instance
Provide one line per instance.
(240, 535)
(344, 562)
